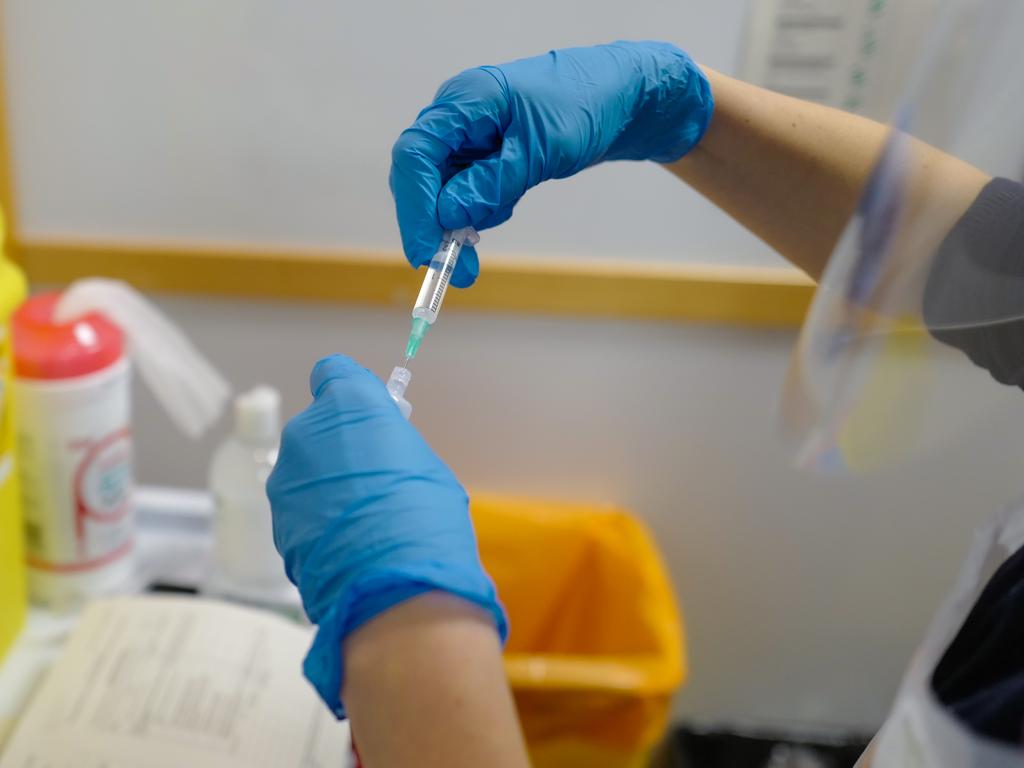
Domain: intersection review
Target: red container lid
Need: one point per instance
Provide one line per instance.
(44, 349)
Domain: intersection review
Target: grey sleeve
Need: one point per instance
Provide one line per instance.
(978, 275)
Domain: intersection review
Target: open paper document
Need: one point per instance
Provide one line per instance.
(169, 682)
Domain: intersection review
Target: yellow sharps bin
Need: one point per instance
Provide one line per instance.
(597, 648)
(12, 557)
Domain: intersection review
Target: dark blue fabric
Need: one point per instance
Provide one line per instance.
(981, 676)
(974, 297)
(978, 274)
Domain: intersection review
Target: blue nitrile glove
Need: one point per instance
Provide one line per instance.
(366, 516)
(494, 132)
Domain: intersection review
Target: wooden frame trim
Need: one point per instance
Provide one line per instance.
(763, 297)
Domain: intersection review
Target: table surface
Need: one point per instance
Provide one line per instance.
(173, 548)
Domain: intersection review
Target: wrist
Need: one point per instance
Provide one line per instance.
(431, 670)
(412, 640)
(357, 602)
(429, 614)
(677, 103)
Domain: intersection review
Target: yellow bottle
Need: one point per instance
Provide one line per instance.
(12, 558)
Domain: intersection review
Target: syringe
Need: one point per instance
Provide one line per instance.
(435, 283)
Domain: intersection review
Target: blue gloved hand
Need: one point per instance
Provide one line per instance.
(492, 133)
(366, 516)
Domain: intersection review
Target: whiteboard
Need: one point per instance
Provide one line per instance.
(271, 121)
(851, 54)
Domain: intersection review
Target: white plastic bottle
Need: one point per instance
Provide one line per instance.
(246, 566)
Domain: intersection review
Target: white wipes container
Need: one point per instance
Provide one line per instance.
(72, 385)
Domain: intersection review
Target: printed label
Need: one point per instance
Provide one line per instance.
(102, 488)
(95, 529)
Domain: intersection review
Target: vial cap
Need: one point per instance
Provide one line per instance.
(397, 384)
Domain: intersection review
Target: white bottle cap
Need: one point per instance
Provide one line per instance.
(258, 414)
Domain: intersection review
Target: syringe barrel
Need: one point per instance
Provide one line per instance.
(439, 273)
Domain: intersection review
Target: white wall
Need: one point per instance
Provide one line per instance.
(272, 121)
(803, 595)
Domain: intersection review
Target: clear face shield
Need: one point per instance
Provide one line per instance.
(921, 306)
(932, 260)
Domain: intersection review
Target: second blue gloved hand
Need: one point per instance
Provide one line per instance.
(366, 516)
(492, 133)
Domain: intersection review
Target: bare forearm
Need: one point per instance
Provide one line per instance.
(791, 171)
(425, 686)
